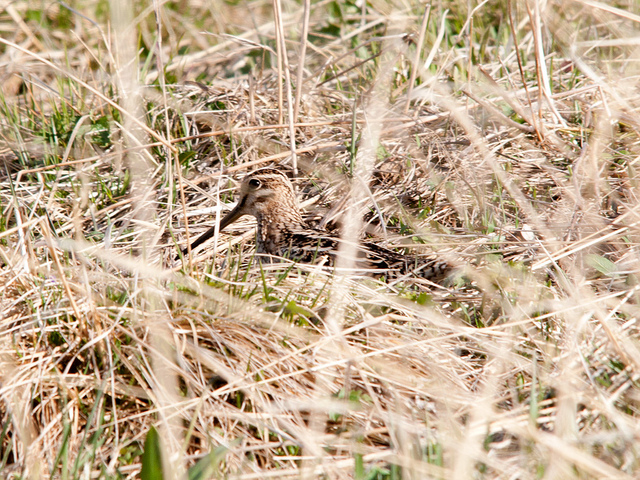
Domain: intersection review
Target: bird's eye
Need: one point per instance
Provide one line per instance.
(254, 183)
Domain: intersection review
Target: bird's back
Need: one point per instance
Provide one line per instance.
(307, 245)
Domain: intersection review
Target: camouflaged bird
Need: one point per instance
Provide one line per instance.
(268, 195)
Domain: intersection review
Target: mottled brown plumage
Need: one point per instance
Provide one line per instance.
(268, 195)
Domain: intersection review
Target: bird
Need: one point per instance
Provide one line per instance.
(269, 196)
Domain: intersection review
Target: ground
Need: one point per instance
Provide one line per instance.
(502, 137)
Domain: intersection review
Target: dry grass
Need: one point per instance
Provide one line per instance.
(506, 142)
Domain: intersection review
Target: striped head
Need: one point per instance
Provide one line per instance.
(265, 193)
(268, 195)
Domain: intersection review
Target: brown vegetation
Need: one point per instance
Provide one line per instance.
(503, 138)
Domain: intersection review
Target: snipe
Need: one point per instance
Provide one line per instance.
(268, 195)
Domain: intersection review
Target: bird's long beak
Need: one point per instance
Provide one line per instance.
(227, 220)
(233, 215)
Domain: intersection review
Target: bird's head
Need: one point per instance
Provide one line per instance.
(264, 193)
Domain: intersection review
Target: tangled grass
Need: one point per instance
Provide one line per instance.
(503, 137)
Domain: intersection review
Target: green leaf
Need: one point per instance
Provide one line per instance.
(601, 264)
(152, 457)
(208, 465)
(359, 472)
(186, 156)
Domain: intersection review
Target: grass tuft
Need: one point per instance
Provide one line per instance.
(502, 137)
